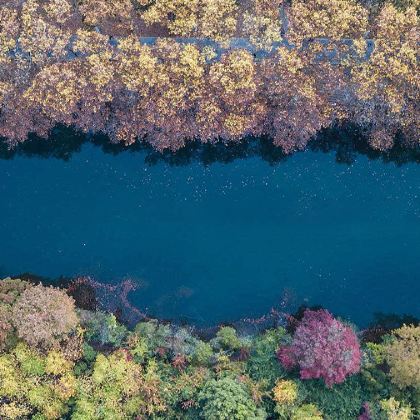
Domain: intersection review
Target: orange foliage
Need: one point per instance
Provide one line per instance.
(81, 64)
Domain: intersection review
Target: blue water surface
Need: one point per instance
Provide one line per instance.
(219, 242)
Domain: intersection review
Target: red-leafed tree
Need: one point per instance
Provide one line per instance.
(322, 347)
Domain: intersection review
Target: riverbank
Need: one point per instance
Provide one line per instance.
(57, 360)
(88, 74)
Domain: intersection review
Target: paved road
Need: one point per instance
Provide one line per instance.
(330, 52)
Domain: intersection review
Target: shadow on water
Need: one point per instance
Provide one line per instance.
(346, 142)
(86, 295)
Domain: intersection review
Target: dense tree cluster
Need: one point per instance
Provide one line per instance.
(215, 19)
(81, 64)
(58, 361)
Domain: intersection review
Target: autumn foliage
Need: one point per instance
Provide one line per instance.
(44, 316)
(82, 64)
(403, 356)
(322, 347)
(58, 361)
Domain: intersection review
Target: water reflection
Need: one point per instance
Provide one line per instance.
(210, 242)
(346, 142)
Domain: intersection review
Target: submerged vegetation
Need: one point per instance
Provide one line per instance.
(89, 64)
(60, 361)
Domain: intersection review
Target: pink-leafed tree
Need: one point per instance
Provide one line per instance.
(322, 347)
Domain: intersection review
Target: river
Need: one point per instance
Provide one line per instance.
(219, 241)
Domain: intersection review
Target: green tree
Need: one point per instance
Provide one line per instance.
(307, 412)
(403, 356)
(226, 399)
(35, 385)
(10, 290)
(118, 388)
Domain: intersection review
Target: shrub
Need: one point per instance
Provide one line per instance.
(179, 16)
(322, 347)
(208, 18)
(285, 392)
(186, 387)
(227, 399)
(403, 356)
(44, 316)
(118, 389)
(227, 338)
(218, 19)
(103, 328)
(262, 363)
(334, 19)
(10, 290)
(202, 354)
(151, 338)
(394, 410)
(153, 333)
(182, 342)
(307, 412)
(13, 410)
(6, 326)
(375, 377)
(33, 385)
(343, 401)
(114, 381)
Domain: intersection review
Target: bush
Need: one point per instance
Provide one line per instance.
(203, 354)
(44, 316)
(403, 356)
(398, 4)
(186, 387)
(182, 342)
(227, 339)
(153, 334)
(10, 290)
(285, 392)
(207, 18)
(386, 409)
(118, 389)
(227, 399)
(322, 347)
(103, 328)
(262, 363)
(375, 377)
(394, 410)
(307, 412)
(342, 401)
(34, 385)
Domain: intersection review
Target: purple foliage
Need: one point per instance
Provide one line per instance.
(365, 415)
(322, 347)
